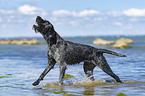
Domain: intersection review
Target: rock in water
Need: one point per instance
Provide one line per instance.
(19, 42)
(125, 40)
(122, 43)
(99, 41)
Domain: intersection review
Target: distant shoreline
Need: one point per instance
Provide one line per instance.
(74, 36)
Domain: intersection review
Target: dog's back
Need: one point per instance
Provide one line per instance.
(73, 53)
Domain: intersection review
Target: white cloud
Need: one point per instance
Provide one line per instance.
(0, 19)
(3, 25)
(31, 10)
(87, 21)
(74, 23)
(63, 13)
(7, 11)
(134, 12)
(88, 13)
(113, 13)
(83, 13)
(98, 19)
(118, 23)
(28, 10)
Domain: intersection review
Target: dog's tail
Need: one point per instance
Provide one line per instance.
(110, 52)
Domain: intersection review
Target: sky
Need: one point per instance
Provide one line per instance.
(73, 17)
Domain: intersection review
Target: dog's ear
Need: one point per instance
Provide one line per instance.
(52, 39)
(48, 26)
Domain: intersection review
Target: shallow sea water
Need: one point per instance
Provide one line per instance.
(21, 65)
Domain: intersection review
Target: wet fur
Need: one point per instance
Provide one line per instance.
(66, 53)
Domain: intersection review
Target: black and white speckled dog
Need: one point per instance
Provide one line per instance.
(65, 52)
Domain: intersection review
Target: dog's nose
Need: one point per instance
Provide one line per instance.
(38, 17)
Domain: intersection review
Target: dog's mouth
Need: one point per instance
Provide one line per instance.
(37, 24)
(39, 20)
(36, 27)
(41, 25)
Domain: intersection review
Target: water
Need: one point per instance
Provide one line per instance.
(21, 65)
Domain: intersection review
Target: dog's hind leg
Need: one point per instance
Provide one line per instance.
(51, 63)
(105, 67)
(88, 69)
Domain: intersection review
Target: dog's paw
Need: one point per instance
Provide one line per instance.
(60, 83)
(35, 83)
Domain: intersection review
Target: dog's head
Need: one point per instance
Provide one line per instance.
(43, 26)
(46, 29)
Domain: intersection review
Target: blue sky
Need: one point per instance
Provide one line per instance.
(73, 17)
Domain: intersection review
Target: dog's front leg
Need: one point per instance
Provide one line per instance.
(51, 63)
(62, 73)
(47, 69)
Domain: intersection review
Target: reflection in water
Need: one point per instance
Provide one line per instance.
(89, 91)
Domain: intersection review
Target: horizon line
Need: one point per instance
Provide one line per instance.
(70, 36)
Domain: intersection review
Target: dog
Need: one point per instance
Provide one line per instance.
(66, 53)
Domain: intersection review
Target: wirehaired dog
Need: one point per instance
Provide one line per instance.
(68, 53)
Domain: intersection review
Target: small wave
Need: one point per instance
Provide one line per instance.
(133, 82)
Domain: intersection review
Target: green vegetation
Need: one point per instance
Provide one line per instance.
(121, 94)
(60, 92)
(9, 74)
(67, 76)
(2, 76)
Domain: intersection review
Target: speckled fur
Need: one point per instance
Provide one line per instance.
(65, 52)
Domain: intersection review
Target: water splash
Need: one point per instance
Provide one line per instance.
(53, 85)
(88, 83)
(78, 83)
